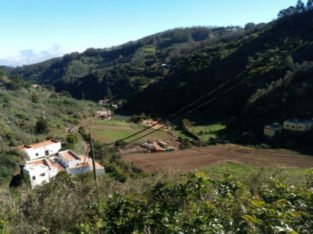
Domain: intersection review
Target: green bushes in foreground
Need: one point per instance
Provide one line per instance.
(190, 204)
(203, 206)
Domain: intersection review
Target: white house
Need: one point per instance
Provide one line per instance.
(272, 130)
(68, 158)
(41, 149)
(85, 166)
(75, 164)
(298, 125)
(46, 162)
(42, 171)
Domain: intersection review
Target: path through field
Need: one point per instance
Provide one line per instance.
(203, 157)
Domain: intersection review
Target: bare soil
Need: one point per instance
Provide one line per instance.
(198, 158)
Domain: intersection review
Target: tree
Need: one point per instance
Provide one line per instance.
(71, 140)
(287, 12)
(42, 126)
(309, 5)
(250, 26)
(16, 83)
(300, 7)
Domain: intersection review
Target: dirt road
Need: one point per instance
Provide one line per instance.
(203, 157)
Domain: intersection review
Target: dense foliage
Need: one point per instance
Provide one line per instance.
(124, 70)
(187, 204)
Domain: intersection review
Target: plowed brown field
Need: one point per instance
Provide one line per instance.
(198, 158)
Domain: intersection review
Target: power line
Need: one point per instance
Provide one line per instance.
(171, 115)
(212, 92)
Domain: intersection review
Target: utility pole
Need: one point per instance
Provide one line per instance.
(93, 161)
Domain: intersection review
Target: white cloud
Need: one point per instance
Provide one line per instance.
(29, 56)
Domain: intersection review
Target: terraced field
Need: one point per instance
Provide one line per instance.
(108, 131)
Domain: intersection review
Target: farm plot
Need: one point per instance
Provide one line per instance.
(199, 158)
(113, 130)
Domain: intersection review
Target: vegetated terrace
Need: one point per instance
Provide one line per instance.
(110, 131)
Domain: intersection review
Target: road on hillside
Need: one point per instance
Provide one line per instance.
(198, 158)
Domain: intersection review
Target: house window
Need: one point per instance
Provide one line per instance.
(37, 154)
(34, 178)
(43, 174)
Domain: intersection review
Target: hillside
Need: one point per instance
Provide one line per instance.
(253, 77)
(124, 70)
(256, 75)
(29, 115)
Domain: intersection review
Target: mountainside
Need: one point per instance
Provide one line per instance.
(31, 114)
(124, 70)
(263, 75)
(257, 75)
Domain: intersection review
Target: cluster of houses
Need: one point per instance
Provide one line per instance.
(292, 125)
(46, 160)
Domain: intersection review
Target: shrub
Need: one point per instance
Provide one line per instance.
(42, 126)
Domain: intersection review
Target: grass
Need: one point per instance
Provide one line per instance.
(207, 132)
(294, 176)
(204, 132)
(109, 131)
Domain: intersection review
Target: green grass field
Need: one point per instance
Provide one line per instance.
(203, 132)
(110, 131)
(207, 132)
(296, 176)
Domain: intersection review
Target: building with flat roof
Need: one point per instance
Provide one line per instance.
(46, 161)
(272, 130)
(77, 164)
(42, 171)
(41, 149)
(298, 125)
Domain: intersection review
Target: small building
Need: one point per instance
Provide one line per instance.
(272, 130)
(84, 166)
(42, 171)
(298, 125)
(106, 114)
(68, 158)
(41, 149)
(75, 164)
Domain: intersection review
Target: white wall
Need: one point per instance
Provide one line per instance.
(269, 132)
(77, 171)
(38, 175)
(41, 152)
(297, 126)
(68, 163)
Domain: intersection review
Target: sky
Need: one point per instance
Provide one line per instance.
(36, 30)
